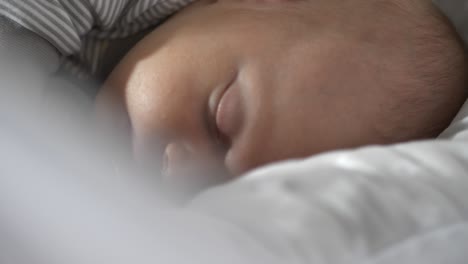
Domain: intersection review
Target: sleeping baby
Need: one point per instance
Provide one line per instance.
(223, 87)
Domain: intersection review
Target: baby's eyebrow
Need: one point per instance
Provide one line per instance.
(209, 123)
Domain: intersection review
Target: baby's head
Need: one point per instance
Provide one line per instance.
(233, 85)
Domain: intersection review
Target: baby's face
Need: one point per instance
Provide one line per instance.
(231, 85)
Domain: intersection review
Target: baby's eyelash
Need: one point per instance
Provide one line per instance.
(222, 140)
(219, 140)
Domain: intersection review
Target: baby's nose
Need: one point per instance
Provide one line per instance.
(176, 156)
(189, 170)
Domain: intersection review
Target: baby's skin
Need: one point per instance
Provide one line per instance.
(224, 87)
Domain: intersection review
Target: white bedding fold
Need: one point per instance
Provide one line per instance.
(350, 206)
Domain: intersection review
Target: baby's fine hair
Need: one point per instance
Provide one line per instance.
(433, 82)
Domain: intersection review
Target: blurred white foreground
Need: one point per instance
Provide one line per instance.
(67, 195)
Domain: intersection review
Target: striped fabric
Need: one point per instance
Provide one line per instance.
(81, 29)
